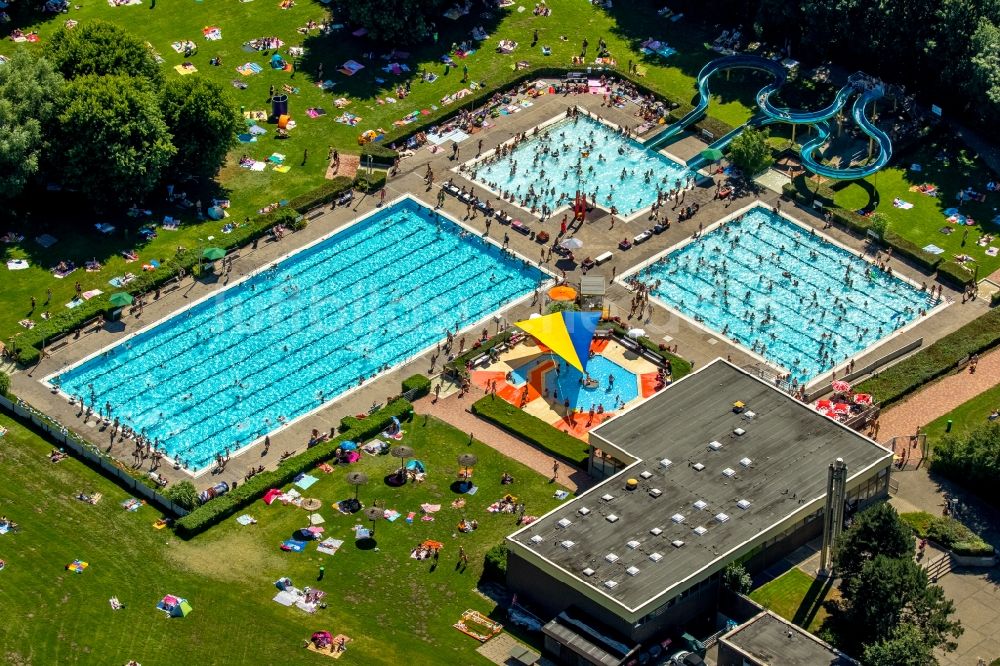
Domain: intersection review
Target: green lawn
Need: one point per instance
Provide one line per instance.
(966, 417)
(797, 597)
(395, 608)
(69, 220)
(922, 224)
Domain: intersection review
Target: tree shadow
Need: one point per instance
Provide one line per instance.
(813, 601)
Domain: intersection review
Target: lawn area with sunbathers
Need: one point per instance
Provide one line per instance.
(331, 109)
(391, 606)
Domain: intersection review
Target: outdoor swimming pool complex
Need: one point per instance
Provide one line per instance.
(800, 301)
(565, 384)
(580, 154)
(277, 345)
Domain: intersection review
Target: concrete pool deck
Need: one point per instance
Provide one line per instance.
(692, 342)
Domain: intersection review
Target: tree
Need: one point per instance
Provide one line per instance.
(879, 223)
(735, 577)
(982, 80)
(29, 91)
(972, 458)
(183, 494)
(750, 152)
(113, 143)
(4, 383)
(204, 122)
(102, 48)
(906, 647)
(888, 592)
(398, 21)
(876, 530)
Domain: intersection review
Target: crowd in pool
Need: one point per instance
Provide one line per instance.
(542, 169)
(786, 293)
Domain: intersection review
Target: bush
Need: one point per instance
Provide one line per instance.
(183, 494)
(975, 548)
(918, 521)
(369, 183)
(495, 562)
(947, 531)
(419, 384)
(362, 427)
(457, 366)
(848, 218)
(227, 505)
(381, 154)
(954, 274)
(716, 127)
(906, 248)
(973, 459)
(4, 384)
(327, 192)
(995, 299)
(913, 372)
(735, 577)
(532, 429)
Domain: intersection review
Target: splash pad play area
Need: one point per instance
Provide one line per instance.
(574, 381)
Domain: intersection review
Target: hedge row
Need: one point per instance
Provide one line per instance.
(369, 183)
(949, 532)
(329, 191)
(235, 500)
(457, 366)
(380, 154)
(898, 380)
(532, 429)
(954, 274)
(419, 384)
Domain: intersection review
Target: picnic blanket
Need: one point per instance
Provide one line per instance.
(933, 249)
(899, 203)
(361, 533)
(351, 67)
(293, 546)
(212, 33)
(249, 69)
(349, 119)
(17, 264)
(131, 504)
(306, 481)
(246, 519)
(329, 546)
(315, 112)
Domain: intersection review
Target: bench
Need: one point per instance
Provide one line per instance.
(602, 258)
(642, 238)
(520, 227)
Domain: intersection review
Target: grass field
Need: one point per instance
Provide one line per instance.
(249, 191)
(797, 597)
(394, 608)
(966, 417)
(922, 224)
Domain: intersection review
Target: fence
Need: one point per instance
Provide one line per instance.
(60, 435)
(868, 369)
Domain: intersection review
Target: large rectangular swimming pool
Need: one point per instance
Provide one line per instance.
(275, 346)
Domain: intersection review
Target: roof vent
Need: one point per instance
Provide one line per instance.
(611, 584)
(536, 539)
(677, 518)
(611, 557)
(564, 522)
(583, 511)
(715, 446)
(656, 531)
(739, 432)
(646, 474)
(700, 505)
(655, 492)
(666, 462)
(632, 571)
(633, 544)
(721, 517)
(567, 544)
(750, 415)
(698, 467)
(700, 531)
(743, 504)
(607, 497)
(729, 471)
(612, 518)
(677, 543)
(588, 572)
(631, 484)
(746, 462)
(656, 557)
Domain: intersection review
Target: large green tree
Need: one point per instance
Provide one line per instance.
(973, 459)
(99, 47)
(877, 530)
(750, 152)
(397, 21)
(30, 89)
(889, 592)
(113, 144)
(906, 647)
(204, 121)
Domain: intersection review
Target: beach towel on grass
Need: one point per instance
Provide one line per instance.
(293, 546)
(306, 481)
(899, 203)
(245, 519)
(329, 546)
(131, 504)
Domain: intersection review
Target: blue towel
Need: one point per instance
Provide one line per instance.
(293, 545)
(306, 481)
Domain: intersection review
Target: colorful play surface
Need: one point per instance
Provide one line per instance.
(531, 377)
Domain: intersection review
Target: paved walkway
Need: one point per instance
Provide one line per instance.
(454, 410)
(938, 398)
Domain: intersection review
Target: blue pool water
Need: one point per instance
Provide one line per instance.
(580, 154)
(239, 364)
(566, 383)
(740, 280)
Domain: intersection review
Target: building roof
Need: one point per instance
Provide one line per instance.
(771, 640)
(635, 547)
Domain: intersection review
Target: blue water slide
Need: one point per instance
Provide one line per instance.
(804, 117)
(861, 118)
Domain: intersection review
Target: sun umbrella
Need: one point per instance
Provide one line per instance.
(402, 452)
(862, 399)
(571, 243)
(374, 513)
(213, 253)
(842, 408)
(120, 299)
(562, 293)
(311, 504)
(712, 154)
(467, 460)
(315, 529)
(823, 405)
(840, 386)
(356, 479)
(636, 333)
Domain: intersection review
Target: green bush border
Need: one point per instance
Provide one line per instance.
(532, 429)
(949, 532)
(678, 366)
(223, 507)
(419, 384)
(369, 183)
(900, 379)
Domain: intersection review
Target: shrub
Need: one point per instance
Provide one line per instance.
(735, 577)
(716, 127)
(995, 299)
(369, 182)
(381, 154)
(362, 427)
(495, 562)
(973, 459)
(939, 358)
(906, 248)
(532, 429)
(329, 191)
(974, 548)
(954, 274)
(183, 494)
(947, 531)
(919, 522)
(847, 218)
(419, 384)
(4, 383)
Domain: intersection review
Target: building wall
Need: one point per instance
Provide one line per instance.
(730, 656)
